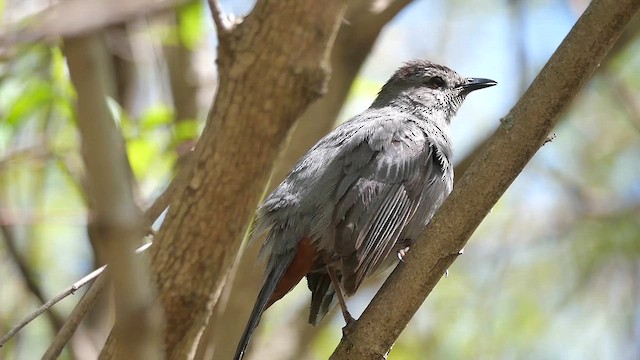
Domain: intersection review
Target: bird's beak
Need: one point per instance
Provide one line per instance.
(473, 84)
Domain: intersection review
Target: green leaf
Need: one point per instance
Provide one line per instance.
(191, 24)
(155, 116)
(142, 155)
(36, 95)
(60, 75)
(186, 129)
(363, 87)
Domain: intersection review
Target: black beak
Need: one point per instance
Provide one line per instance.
(473, 84)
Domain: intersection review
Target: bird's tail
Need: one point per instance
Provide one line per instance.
(274, 275)
(322, 296)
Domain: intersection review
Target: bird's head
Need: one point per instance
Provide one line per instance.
(429, 87)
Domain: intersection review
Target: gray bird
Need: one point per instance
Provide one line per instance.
(361, 196)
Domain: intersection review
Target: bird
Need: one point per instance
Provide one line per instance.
(354, 204)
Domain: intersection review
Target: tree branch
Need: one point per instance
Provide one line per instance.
(116, 225)
(272, 66)
(220, 20)
(23, 268)
(521, 134)
(88, 300)
(77, 314)
(69, 18)
(161, 203)
(47, 305)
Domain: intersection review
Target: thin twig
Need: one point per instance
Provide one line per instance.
(163, 201)
(79, 311)
(68, 291)
(87, 301)
(23, 268)
(223, 26)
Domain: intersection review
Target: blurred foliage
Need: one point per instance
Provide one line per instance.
(41, 173)
(553, 272)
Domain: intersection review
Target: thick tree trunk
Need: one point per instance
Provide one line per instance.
(271, 66)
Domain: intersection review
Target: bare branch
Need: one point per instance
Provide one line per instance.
(79, 311)
(68, 291)
(69, 18)
(66, 330)
(54, 318)
(222, 23)
(116, 224)
(521, 134)
(159, 205)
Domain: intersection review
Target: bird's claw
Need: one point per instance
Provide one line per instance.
(402, 253)
(350, 323)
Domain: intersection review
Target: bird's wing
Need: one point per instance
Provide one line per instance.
(379, 193)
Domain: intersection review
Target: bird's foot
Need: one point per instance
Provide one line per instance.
(402, 253)
(446, 272)
(350, 323)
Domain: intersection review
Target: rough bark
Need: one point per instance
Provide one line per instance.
(520, 135)
(271, 67)
(357, 35)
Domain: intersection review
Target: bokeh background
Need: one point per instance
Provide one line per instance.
(552, 273)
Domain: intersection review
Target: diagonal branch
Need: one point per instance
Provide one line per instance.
(69, 18)
(54, 317)
(220, 19)
(521, 134)
(67, 329)
(77, 314)
(47, 305)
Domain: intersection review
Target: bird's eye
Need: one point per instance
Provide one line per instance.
(435, 82)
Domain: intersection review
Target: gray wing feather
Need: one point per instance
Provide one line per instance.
(377, 197)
